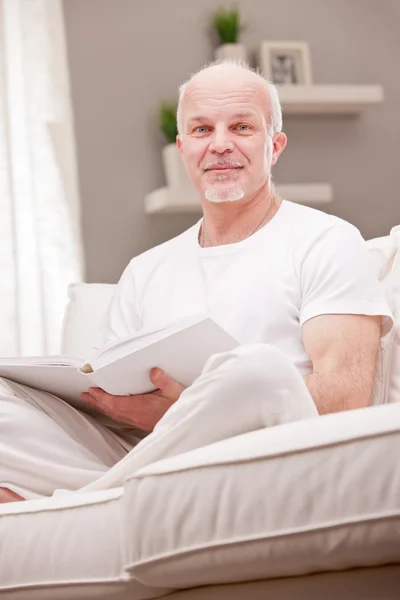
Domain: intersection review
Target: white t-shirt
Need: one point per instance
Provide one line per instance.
(301, 264)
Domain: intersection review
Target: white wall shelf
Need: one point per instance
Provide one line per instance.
(328, 99)
(185, 201)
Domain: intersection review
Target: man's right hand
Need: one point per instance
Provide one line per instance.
(139, 410)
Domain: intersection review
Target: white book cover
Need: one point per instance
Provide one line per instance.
(123, 367)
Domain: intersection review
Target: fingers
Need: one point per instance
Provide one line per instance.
(169, 387)
(118, 408)
(99, 399)
(139, 410)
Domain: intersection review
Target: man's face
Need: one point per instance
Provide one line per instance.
(225, 145)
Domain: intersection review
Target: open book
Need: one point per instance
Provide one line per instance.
(123, 367)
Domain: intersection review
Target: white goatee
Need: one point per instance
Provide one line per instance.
(230, 195)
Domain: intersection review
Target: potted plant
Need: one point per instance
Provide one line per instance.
(175, 172)
(227, 26)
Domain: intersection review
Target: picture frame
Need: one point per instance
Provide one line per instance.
(286, 63)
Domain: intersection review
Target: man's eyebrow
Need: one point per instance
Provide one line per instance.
(198, 119)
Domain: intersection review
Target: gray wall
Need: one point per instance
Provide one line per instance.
(128, 55)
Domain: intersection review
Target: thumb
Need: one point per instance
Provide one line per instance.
(169, 387)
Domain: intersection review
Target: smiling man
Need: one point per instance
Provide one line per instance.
(229, 142)
(292, 284)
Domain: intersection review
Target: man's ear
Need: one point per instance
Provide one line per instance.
(279, 142)
(179, 143)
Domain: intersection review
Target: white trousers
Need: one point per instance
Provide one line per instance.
(46, 445)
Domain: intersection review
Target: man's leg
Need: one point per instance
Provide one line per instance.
(46, 444)
(7, 495)
(252, 387)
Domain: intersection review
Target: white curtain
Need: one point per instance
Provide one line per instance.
(40, 242)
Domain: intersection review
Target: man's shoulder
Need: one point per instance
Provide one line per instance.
(311, 218)
(308, 224)
(168, 249)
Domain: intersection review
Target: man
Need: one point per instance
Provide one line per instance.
(292, 284)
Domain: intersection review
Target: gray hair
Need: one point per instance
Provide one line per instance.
(274, 124)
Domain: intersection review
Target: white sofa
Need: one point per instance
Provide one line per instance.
(304, 510)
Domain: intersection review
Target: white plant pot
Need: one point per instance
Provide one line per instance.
(235, 51)
(175, 172)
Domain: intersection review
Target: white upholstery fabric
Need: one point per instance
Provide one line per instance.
(393, 385)
(385, 254)
(309, 496)
(86, 308)
(227, 512)
(59, 548)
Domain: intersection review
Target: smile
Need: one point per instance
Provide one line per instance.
(225, 168)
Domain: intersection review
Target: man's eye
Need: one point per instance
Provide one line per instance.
(243, 127)
(201, 129)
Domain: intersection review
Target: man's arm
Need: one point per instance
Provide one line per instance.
(344, 351)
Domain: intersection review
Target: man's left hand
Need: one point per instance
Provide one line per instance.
(140, 410)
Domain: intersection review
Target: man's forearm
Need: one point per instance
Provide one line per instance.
(337, 392)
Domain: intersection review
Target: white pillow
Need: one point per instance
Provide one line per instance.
(87, 306)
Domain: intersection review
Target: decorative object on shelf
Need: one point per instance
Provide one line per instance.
(286, 63)
(175, 172)
(227, 26)
(168, 122)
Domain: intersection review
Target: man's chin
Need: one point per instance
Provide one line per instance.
(232, 194)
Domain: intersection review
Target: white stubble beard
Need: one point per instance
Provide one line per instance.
(232, 194)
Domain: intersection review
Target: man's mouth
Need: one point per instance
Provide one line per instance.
(223, 168)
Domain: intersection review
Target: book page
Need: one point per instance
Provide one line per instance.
(65, 381)
(60, 360)
(182, 354)
(116, 350)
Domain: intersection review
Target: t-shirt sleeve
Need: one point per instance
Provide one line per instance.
(337, 277)
(121, 318)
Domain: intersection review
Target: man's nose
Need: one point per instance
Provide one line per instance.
(221, 142)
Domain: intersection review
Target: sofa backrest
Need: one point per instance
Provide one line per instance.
(388, 271)
(86, 308)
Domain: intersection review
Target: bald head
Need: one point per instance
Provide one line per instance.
(230, 75)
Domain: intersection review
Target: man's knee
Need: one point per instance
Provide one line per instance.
(259, 363)
(250, 373)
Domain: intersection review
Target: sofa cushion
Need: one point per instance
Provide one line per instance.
(86, 308)
(66, 547)
(309, 496)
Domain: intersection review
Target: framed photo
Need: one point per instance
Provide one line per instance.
(286, 63)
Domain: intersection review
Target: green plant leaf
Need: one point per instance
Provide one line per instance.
(227, 25)
(168, 122)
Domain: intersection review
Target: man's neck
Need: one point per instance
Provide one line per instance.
(231, 222)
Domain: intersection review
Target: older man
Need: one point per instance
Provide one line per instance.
(292, 284)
